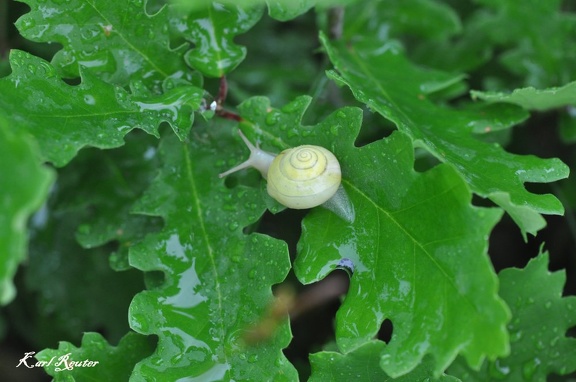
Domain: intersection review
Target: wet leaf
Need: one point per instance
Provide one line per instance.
(70, 289)
(212, 29)
(422, 18)
(541, 318)
(400, 93)
(287, 10)
(99, 361)
(530, 39)
(409, 231)
(114, 39)
(217, 279)
(363, 364)
(533, 99)
(65, 118)
(24, 185)
(106, 185)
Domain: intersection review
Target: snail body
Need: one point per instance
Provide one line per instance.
(301, 177)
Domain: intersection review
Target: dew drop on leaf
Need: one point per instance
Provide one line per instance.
(529, 369)
(26, 23)
(272, 118)
(515, 336)
(334, 129)
(498, 371)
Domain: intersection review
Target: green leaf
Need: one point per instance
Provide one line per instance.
(107, 183)
(285, 10)
(65, 118)
(114, 39)
(98, 360)
(399, 94)
(533, 99)
(69, 289)
(422, 18)
(362, 364)
(24, 185)
(212, 29)
(217, 279)
(532, 38)
(410, 231)
(541, 318)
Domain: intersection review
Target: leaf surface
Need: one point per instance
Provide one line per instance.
(532, 39)
(533, 99)
(363, 364)
(217, 279)
(102, 361)
(24, 185)
(115, 40)
(541, 318)
(65, 118)
(70, 289)
(410, 231)
(212, 29)
(401, 92)
(107, 185)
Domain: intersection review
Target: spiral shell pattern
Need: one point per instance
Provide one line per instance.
(304, 177)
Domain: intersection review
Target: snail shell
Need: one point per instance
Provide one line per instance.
(304, 177)
(301, 177)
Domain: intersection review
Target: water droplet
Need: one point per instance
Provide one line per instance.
(334, 129)
(347, 265)
(515, 336)
(233, 226)
(26, 23)
(253, 358)
(236, 259)
(548, 304)
(272, 118)
(89, 99)
(252, 274)
(529, 369)
(498, 371)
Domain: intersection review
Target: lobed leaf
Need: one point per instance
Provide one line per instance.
(532, 39)
(217, 279)
(98, 360)
(69, 289)
(417, 245)
(541, 318)
(113, 39)
(400, 93)
(24, 184)
(425, 19)
(212, 29)
(65, 118)
(107, 185)
(363, 364)
(533, 99)
(284, 10)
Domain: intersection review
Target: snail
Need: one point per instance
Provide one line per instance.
(301, 177)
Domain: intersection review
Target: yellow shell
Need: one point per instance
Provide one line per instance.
(304, 176)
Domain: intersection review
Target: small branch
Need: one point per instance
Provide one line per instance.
(335, 22)
(332, 287)
(3, 29)
(220, 98)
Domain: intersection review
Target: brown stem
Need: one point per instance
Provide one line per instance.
(335, 22)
